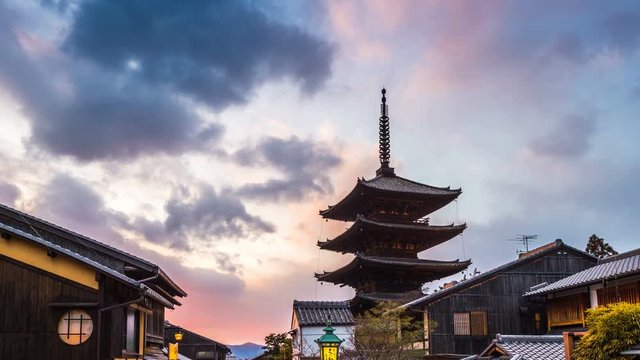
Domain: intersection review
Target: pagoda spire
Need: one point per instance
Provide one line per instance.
(385, 138)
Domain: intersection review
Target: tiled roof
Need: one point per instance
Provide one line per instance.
(93, 264)
(489, 274)
(23, 216)
(614, 267)
(311, 313)
(432, 269)
(424, 235)
(400, 184)
(532, 347)
(94, 249)
(392, 297)
(523, 347)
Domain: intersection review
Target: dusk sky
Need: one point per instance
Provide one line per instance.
(206, 135)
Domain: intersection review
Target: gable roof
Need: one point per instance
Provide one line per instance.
(524, 347)
(621, 265)
(85, 246)
(91, 263)
(202, 340)
(523, 259)
(317, 313)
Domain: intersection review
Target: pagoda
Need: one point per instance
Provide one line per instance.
(390, 227)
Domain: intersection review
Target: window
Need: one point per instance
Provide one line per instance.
(75, 327)
(478, 323)
(461, 324)
(470, 323)
(205, 355)
(132, 330)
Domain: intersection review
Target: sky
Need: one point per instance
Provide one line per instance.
(205, 136)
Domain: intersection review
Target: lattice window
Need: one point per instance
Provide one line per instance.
(624, 293)
(478, 323)
(470, 323)
(75, 327)
(461, 324)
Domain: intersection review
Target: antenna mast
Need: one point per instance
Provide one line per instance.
(525, 240)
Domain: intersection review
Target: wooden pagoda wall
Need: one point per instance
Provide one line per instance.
(499, 300)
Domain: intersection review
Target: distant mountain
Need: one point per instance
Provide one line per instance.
(246, 351)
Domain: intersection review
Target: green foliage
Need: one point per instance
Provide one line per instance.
(612, 329)
(597, 247)
(385, 333)
(278, 346)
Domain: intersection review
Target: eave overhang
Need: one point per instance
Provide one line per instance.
(426, 236)
(390, 188)
(428, 269)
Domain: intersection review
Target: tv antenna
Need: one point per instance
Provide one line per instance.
(525, 240)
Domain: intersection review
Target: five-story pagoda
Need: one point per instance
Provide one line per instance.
(389, 229)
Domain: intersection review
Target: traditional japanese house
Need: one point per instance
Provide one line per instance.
(66, 296)
(613, 279)
(308, 320)
(195, 346)
(470, 313)
(389, 229)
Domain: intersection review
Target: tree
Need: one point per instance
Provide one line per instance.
(384, 333)
(612, 329)
(597, 247)
(278, 346)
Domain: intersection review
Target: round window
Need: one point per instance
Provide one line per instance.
(75, 327)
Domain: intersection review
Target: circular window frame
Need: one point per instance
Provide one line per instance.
(75, 327)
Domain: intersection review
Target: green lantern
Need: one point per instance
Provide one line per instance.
(329, 344)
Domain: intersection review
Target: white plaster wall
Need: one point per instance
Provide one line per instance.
(312, 333)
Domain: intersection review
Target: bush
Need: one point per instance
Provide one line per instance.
(612, 329)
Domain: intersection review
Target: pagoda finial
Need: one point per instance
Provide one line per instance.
(385, 145)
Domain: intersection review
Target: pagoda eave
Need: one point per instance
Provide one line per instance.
(423, 235)
(426, 270)
(359, 199)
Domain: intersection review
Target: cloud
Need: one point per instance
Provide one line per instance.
(9, 193)
(119, 88)
(216, 52)
(202, 214)
(305, 165)
(569, 138)
(72, 203)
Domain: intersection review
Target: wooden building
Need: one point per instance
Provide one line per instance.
(390, 228)
(471, 313)
(66, 296)
(613, 279)
(195, 346)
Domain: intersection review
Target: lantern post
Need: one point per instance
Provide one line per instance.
(329, 343)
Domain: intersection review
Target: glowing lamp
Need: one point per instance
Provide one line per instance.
(329, 344)
(178, 336)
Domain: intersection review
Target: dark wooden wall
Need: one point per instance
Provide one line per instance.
(28, 324)
(508, 312)
(193, 343)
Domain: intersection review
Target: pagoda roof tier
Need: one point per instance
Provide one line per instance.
(413, 270)
(357, 238)
(401, 298)
(391, 197)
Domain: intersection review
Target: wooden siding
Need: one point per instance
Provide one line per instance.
(508, 312)
(567, 310)
(624, 293)
(195, 346)
(28, 324)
